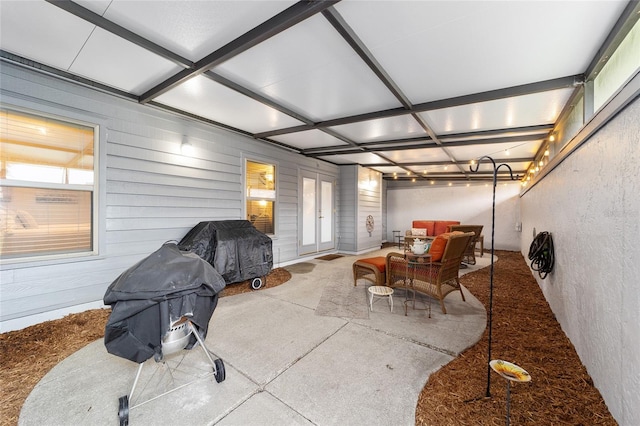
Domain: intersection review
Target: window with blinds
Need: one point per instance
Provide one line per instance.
(261, 195)
(47, 185)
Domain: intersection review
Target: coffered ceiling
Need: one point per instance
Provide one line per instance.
(415, 88)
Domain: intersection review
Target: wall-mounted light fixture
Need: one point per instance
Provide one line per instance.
(185, 147)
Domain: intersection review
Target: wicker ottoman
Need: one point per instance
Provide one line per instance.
(372, 269)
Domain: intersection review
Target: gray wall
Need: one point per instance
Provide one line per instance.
(470, 205)
(591, 205)
(150, 192)
(360, 198)
(348, 209)
(369, 198)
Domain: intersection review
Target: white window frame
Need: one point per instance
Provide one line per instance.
(245, 195)
(97, 209)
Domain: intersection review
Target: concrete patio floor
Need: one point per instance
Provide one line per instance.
(284, 363)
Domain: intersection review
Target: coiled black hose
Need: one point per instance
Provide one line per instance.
(541, 254)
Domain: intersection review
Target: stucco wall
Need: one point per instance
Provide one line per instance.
(590, 203)
(470, 205)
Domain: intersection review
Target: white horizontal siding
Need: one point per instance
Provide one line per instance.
(151, 192)
(347, 241)
(369, 204)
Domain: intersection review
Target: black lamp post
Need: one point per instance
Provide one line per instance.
(493, 227)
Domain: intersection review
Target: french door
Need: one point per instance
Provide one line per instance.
(317, 218)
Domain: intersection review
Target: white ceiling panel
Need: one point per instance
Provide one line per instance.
(363, 158)
(118, 63)
(404, 126)
(439, 168)
(309, 139)
(311, 69)
(527, 110)
(496, 150)
(337, 67)
(417, 155)
(42, 32)
(192, 29)
(208, 99)
(471, 47)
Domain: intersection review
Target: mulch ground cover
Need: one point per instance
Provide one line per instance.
(524, 331)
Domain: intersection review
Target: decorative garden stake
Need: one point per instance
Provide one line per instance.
(493, 230)
(512, 373)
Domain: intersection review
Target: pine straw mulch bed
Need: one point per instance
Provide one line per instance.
(525, 332)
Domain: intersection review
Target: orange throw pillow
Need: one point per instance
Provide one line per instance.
(437, 247)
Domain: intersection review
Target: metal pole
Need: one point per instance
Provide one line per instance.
(493, 230)
(508, 401)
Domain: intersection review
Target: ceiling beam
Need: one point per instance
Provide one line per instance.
(444, 163)
(255, 96)
(347, 33)
(278, 23)
(540, 129)
(375, 146)
(491, 95)
(474, 177)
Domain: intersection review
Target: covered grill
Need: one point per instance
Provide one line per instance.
(235, 248)
(160, 306)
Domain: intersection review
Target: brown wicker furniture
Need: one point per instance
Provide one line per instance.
(372, 269)
(433, 228)
(437, 281)
(470, 253)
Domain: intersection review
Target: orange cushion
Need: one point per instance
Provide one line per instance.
(378, 262)
(437, 247)
(439, 243)
(426, 224)
(441, 226)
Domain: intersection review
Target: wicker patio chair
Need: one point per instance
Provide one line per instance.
(436, 281)
(469, 255)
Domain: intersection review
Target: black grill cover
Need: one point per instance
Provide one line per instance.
(235, 248)
(155, 292)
